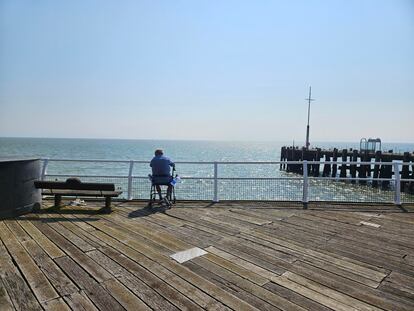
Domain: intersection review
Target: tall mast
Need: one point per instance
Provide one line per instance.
(309, 99)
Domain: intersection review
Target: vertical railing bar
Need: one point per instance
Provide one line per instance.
(131, 167)
(397, 179)
(44, 168)
(305, 198)
(215, 196)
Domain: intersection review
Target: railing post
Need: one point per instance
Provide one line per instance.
(44, 168)
(397, 179)
(305, 198)
(215, 197)
(131, 167)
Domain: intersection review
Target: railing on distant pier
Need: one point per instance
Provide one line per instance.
(222, 181)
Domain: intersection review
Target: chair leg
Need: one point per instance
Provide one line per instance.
(153, 196)
(159, 191)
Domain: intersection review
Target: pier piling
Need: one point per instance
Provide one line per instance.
(357, 169)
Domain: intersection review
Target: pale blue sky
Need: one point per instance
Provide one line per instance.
(220, 70)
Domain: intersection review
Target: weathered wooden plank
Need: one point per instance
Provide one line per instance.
(246, 285)
(129, 226)
(345, 299)
(56, 305)
(189, 237)
(157, 218)
(388, 237)
(409, 259)
(295, 297)
(167, 220)
(390, 223)
(399, 291)
(37, 281)
(136, 243)
(247, 218)
(18, 232)
(199, 282)
(254, 253)
(88, 264)
(267, 214)
(397, 218)
(51, 249)
(275, 266)
(5, 302)
(315, 227)
(83, 225)
(183, 215)
(241, 262)
(370, 273)
(84, 235)
(313, 295)
(261, 249)
(362, 248)
(325, 265)
(345, 217)
(124, 296)
(79, 301)
(370, 243)
(295, 234)
(158, 276)
(365, 240)
(278, 212)
(17, 289)
(401, 280)
(231, 288)
(195, 233)
(227, 222)
(62, 284)
(369, 257)
(247, 274)
(206, 228)
(154, 292)
(79, 241)
(151, 234)
(351, 288)
(319, 263)
(317, 248)
(100, 297)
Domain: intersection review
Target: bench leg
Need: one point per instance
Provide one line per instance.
(107, 208)
(58, 200)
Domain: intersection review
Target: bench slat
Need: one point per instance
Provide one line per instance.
(74, 186)
(81, 193)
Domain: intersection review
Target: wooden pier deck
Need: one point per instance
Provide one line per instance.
(260, 256)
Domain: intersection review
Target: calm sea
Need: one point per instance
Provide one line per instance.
(120, 149)
(114, 149)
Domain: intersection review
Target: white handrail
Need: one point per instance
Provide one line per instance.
(131, 167)
(231, 162)
(397, 199)
(215, 195)
(396, 178)
(305, 198)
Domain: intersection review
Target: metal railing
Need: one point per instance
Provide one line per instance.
(243, 180)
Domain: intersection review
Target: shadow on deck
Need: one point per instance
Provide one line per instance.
(264, 256)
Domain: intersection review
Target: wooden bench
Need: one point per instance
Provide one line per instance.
(73, 187)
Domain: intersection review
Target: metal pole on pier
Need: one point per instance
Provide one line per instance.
(309, 99)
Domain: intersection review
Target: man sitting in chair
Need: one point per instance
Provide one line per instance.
(161, 173)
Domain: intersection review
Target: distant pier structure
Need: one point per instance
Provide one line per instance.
(370, 151)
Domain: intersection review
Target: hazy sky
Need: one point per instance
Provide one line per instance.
(221, 70)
